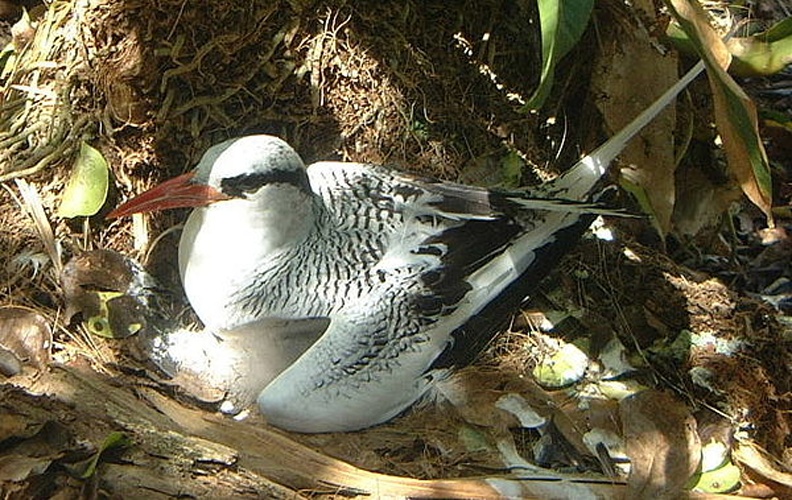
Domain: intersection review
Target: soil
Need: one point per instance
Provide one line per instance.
(430, 88)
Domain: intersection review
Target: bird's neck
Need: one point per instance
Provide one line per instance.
(224, 244)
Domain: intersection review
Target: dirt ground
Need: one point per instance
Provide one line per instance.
(432, 88)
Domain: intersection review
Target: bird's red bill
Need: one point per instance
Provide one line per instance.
(178, 192)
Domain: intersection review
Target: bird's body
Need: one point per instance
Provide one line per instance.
(350, 232)
(338, 294)
(398, 264)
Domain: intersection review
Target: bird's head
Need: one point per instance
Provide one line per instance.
(234, 169)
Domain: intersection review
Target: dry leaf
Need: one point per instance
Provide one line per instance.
(700, 203)
(25, 338)
(735, 113)
(18, 468)
(748, 454)
(662, 443)
(29, 454)
(18, 427)
(636, 64)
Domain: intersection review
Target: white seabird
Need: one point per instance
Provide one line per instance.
(376, 282)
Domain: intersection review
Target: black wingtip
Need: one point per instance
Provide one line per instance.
(472, 338)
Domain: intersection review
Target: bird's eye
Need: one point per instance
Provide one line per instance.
(241, 185)
(244, 184)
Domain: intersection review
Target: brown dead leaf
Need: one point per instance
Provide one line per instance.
(25, 338)
(700, 203)
(735, 112)
(662, 443)
(629, 77)
(571, 419)
(29, 452)
(15, 468)
(16, 426)
(750, 455)
(478, 397)
(9, 363)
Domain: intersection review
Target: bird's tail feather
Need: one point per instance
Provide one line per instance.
(501, 288)
(571, 207)
(578, 181)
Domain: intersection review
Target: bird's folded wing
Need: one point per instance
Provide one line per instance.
(369, 366)
(370, 187)
(266, 347)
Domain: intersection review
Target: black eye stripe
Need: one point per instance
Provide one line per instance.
(243, 184)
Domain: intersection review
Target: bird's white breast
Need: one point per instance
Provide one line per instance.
(224, 244)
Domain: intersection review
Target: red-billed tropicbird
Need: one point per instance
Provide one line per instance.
(338, 294)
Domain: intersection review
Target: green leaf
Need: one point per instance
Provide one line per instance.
(564, 367)
(511, 170)
(762, 54)
(772, 118)
(721, 480)
(562, 24)
(644, 200)
(87, 188)
(778, 31)
(87, 468)
(114, 318)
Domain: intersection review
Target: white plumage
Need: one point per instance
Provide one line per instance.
(344, 291)
(398, 265)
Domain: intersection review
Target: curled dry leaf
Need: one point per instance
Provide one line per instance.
(110, 291)
(750, 455)
(662, 443)
(25, 339)
(9, 363)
